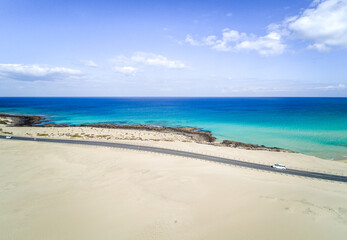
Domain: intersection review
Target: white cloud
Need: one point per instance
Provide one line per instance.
(139, 60)
(156, 60)
(268, 45)
(189, 39)
(142, 59)
(35, 72)
(324, 23)
(321, 47)
(333, 87)
(228, 36)
(126, 70)
(89, 63)
(209, 40)
(233, 40)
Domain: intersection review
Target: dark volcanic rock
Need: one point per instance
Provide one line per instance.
(194, 133)
(24, 120)
(252, 146)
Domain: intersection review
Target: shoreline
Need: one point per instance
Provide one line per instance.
(194, 134)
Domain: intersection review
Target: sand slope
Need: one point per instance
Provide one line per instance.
(58, 191)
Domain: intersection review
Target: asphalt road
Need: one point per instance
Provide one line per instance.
(263, 167)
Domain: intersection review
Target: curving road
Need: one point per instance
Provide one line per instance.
(263, 167)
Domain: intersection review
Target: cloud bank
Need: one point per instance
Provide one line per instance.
(155, 60)
(126, 70)
(233, 40)
(35, 72)
(137, 61)
(323, 25)
(333, 87)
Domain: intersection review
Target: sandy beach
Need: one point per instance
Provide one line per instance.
(58, 191)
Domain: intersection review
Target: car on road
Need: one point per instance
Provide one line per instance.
(279, 166)
(8, 137)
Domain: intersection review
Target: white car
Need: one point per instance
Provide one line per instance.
(279, 166)
(8, 137)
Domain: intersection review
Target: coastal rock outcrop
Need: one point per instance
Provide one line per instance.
(194, 133)
(24, 120)
(252, 146)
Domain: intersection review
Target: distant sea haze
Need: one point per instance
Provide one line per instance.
(314, 126)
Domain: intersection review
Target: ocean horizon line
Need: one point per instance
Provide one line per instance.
(169, 97)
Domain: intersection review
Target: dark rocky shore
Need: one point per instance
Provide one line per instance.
(252, 146)
(23, 120)
(195, 134)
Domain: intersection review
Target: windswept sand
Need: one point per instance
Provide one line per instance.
(58, 191)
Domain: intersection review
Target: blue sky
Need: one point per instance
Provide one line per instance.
(173, 48)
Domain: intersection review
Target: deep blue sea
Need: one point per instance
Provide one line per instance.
(315, 126)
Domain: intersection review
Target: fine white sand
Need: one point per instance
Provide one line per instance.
(59, 191)
(91, 133)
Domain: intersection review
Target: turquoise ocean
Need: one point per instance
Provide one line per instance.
(314, 126)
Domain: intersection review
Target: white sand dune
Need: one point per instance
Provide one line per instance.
(57, 191)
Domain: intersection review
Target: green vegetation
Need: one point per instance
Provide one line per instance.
(168, 140)
(103, 136)
(4, 121)
(75, 135)
(6, 132)
(42, 134)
